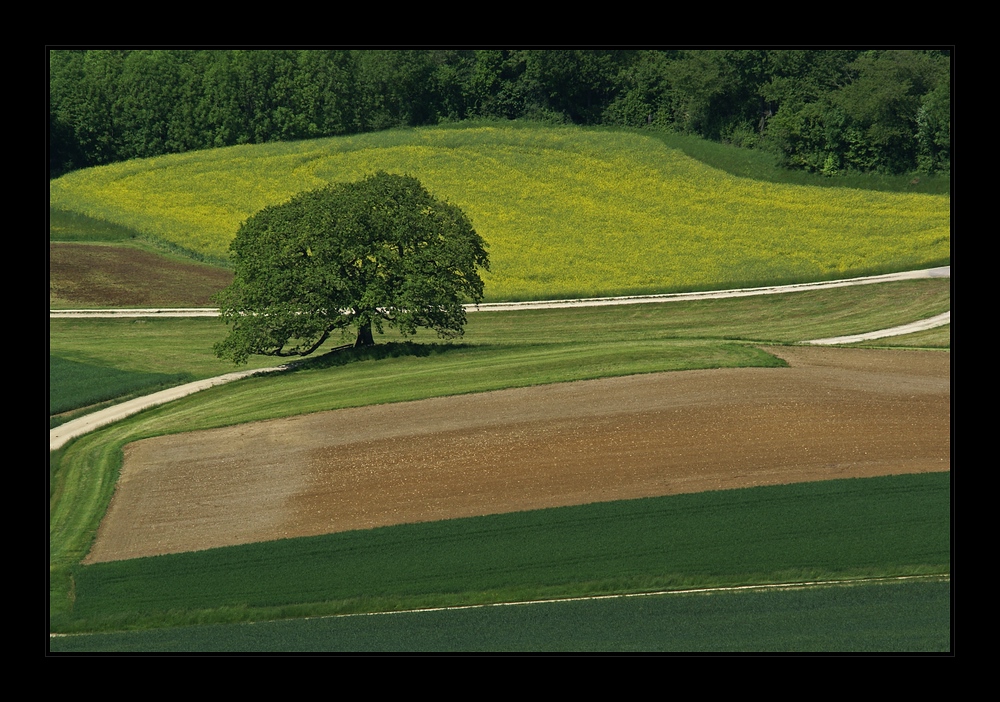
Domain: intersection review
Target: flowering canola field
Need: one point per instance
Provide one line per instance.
(566, 212)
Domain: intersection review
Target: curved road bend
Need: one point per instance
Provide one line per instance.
(70, 430)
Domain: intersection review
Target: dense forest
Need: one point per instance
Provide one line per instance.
(823, 110)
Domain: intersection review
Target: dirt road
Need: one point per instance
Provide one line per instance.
(941, 272)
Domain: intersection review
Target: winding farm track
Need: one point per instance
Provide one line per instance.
(62, 434)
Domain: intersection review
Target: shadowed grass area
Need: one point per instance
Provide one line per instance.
(343, 355)
(67, 225)
(764, 165)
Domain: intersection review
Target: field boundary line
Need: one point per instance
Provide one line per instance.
(691, 591)
(940, 272)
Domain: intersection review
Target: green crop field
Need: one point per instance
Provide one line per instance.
(567, 212)
(874, 527)
(853, 617)
(73, 384)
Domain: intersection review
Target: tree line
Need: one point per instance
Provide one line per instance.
(822, 110)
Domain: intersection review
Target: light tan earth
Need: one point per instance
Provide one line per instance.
(835, 413)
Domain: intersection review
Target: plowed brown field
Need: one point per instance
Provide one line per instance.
(835, 413)
(120, 276)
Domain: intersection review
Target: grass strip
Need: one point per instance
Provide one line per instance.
(764, 165)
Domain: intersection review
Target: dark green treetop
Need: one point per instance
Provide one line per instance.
(378, 252)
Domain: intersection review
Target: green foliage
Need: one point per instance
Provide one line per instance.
(574, 84)
(934, 131)
(112, 105)
(380, 251)
(643, 98)
(395, 88)
(890, 113)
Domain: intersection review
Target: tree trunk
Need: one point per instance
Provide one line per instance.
(364, 336)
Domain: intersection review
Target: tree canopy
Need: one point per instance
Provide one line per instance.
(378, 252)
(825, 110)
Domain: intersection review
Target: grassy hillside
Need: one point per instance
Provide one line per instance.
(566, 211)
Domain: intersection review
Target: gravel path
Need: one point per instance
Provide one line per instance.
(942, 272)
(87, 423)
(924, 324)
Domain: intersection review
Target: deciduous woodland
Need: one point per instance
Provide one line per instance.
(828, 111)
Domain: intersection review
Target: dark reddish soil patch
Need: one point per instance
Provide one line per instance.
(835, 413)
(87, 275)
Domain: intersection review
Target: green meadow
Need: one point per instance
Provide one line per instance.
(567, 212)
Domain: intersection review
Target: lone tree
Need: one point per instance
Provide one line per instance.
(380, 251)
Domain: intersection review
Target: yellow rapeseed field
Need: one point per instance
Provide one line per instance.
(565, 211)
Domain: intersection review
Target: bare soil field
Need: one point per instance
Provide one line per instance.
(834, 413)
(89, 275)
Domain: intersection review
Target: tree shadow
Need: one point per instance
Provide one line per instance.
(343, 355)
